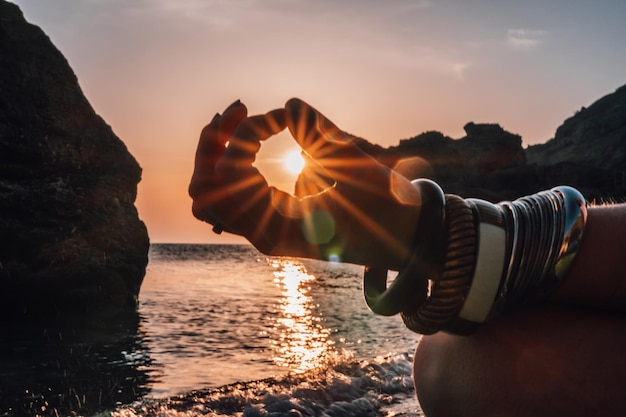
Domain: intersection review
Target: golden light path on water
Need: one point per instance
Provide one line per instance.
(303, 343)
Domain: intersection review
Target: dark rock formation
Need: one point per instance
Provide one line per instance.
(470, 166)
(588, 152)
(70, 236)
(589, 148)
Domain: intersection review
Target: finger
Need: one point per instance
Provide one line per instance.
(328, 127)
(344, 161)
(313, 178)
(211, 146)
(323, 140)
(233, 115)
(248, 193)
(246, 139)
(204, 188)
(215, 135)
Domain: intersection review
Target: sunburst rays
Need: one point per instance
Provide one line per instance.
(339, 179)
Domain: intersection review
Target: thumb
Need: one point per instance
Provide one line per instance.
(321, 138)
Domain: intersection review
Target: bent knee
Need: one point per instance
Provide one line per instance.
(543, 362)
(442, 389)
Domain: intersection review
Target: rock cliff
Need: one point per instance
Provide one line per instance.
(589, 148)
(70, 236)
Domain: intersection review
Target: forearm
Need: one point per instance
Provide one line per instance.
(597, 277)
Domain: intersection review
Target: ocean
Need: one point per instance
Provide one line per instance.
(221, 330)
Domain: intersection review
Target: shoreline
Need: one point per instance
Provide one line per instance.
(382, 387)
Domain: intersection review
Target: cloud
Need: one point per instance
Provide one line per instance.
(459, 69)
(525, 38)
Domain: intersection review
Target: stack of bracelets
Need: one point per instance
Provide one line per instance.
(491, 258)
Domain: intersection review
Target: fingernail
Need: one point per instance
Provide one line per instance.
(234, 104)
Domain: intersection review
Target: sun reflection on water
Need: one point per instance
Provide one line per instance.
(303, 343)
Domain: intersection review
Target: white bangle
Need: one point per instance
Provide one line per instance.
(490, 261)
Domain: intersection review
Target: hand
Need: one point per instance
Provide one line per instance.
(368, 216)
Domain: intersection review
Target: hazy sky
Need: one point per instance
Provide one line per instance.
(157, 71)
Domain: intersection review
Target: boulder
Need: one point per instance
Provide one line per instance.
(70, 236)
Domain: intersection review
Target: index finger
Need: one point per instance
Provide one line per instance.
(316, 134)
(211, 147)
(245, 141)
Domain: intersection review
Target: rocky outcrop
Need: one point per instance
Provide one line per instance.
(589, 149)
(588, 152)
(70, 236)
(594, 136)
(475, 165)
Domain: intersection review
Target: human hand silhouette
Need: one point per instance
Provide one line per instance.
(368, 216)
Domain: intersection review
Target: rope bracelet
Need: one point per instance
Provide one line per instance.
(497, 258)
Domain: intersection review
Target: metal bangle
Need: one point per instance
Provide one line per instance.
(548, 229)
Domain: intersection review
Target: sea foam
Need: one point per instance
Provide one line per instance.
(344, 387)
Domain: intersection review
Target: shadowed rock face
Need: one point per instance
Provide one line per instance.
(590, 148)
(70, 236)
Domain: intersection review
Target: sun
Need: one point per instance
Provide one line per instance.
(294, 162)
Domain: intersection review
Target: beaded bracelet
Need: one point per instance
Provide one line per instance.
(497, 258)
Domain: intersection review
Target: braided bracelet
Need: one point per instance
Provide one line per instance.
(497, 258)
(449, 286)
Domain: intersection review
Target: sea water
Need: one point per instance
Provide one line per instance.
(222, 330)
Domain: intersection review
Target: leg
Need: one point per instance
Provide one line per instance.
(544, 361)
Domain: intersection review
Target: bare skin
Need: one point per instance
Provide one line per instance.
(561, 358)
(547, 361)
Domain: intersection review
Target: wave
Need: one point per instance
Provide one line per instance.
(344, 387)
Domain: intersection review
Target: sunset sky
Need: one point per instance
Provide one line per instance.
(158, 70)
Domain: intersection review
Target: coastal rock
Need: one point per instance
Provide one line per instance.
(476, 165)
(594, 136)
(488, 147)
(588, 152)
(70, 235)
